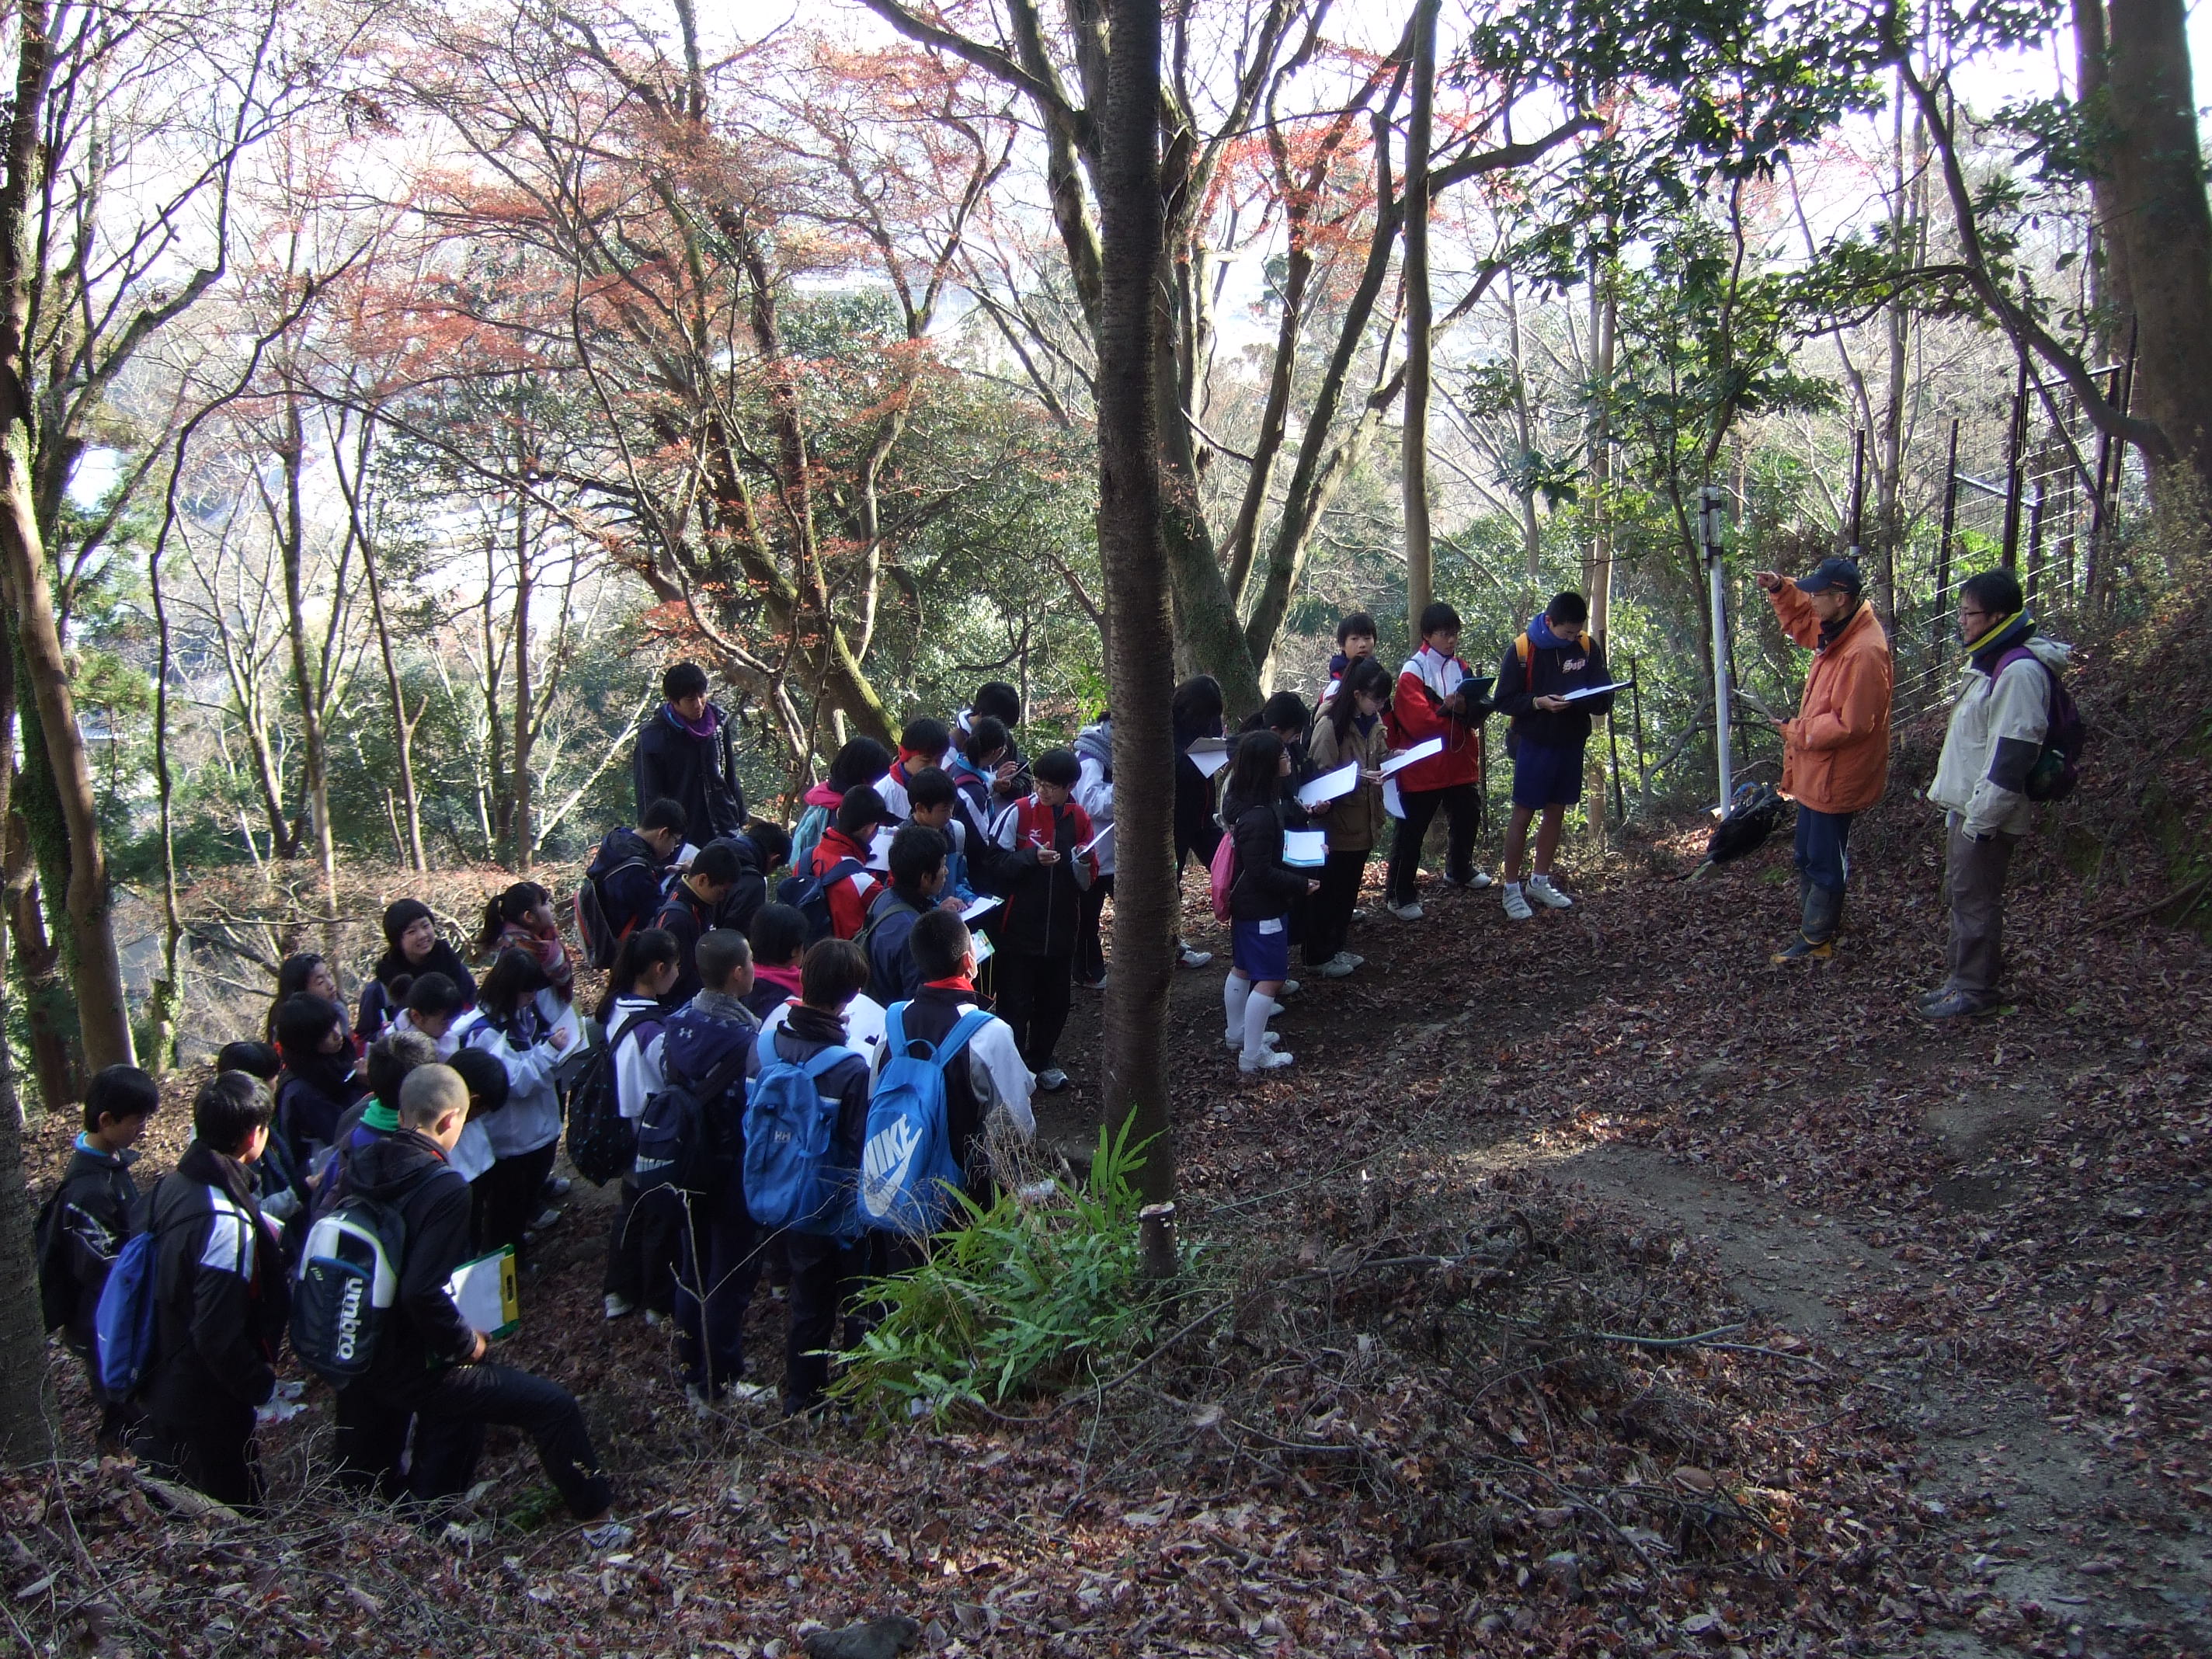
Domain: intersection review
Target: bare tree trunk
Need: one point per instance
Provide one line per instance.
(27, 1433)
(2157, 181)
(1420, 563)
(1135, 563)
(168, 990)
(402, 727)
(2111, 295)
(1597, 575)
(521, 844)
(306, 687)
(95, 970)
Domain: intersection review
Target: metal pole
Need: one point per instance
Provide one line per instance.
(1612, 742)
(1709, 529)
(2034, 541)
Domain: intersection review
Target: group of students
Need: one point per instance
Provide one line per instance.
(1550, 682)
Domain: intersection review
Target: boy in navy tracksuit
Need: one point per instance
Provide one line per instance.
(822, 1269)
(222, 1298)
(719, 1256)
(918, 872)
(1046, 877)
(632, 867)
(1547, 736)
(85, 1223)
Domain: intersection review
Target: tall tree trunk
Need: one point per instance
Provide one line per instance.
(402, 727)
(1420, 564)
(96, 971)
(26, 1434)
(168, 988)
(520, 843)
(1134, 558)
(2111, 294)
(2158, 184)
(1597, 570)
(306, 686)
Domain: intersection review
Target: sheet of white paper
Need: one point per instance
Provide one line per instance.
(1330, 784)
(473, 1154)
(1419, 752)
(982, 907)
(1593, 690)
(476, 1291)
(1393, 803)
(1096, 841)
(1307, 850)
(879, 850)
(1208, 755)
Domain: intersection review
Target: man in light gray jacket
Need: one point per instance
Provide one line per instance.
(1997, 730)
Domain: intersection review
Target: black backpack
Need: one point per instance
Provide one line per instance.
(56, 1289)
(810, 895)
(601, 1140)
(349, 1281)
(601, 939)
(686, 1139)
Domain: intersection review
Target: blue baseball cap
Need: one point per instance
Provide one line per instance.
(1832, 573)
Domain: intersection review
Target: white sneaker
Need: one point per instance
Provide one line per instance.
(1477, 882)
(609, 1535)
(1191, 958)
(1410, 911)
(1290, 988)
(1541, 891)
(1516, 905)
(1336, 967)
(1355, 960)
(617, 1306)
(1235, 1044)
(653, 1320)
(1270, 1059)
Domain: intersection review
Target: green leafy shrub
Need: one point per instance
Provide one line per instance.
(1025, 1296)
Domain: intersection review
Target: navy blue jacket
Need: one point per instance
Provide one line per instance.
(700, 773)
(892, 971)
(628, 874)
(1555, 667)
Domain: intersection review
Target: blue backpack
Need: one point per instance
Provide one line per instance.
(810, 895)
(123, 1322)
(907, 1174)
(790, 1179)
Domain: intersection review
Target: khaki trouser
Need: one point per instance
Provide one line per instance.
(1974, 871)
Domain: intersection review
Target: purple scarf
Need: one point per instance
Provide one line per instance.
(708, 723)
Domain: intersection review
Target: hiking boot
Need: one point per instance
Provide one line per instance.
(1802, 949)
(1516, 905)
(1952, 1005)
(1336, 967)
(617, 1306)
(1190, 958)
(1270, 1059)
(1816, 928)
(1409, 911)
(1540, 889)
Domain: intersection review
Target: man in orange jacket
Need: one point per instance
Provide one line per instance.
(1835, 754)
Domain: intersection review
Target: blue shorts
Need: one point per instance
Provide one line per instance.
(1544, 776)
(1264, 956)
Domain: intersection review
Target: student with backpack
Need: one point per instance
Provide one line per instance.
(834, 887)
(1048, 871)
(862, 763)
(762, 851)
(1259, 900)
(919, 872)
(1350, 730)
(642, 1248)
(1435, 699)
(692, 904)
(1552, 658)
(2015, 738)
(950, 1078)
(1094, 793)
(623, 884)
(1355, 643)
(412, 949)
(527, 1026)
(81, 1227)
(427, 1364)
(933, 802)
(320, 1082)
(807, 1116)
(219, 1300)
(924, 743)
(699, 1154)
(995, 700)
(982, 752)
(778, 938)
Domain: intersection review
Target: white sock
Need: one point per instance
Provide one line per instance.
(1257, 1012)
(1235, 993)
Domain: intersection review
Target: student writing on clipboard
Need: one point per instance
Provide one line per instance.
(1434, 699)
(1551, 728)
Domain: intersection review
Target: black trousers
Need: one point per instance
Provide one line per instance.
(451, 1410)
(1329, 912)
(211, 1452)
(507, 1195)
(1461, 804)
(1034, 996)
(718, 1259)
(641, 1250)
(1090, 945)
(824, 1275)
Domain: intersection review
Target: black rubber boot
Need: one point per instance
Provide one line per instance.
(1816, 929)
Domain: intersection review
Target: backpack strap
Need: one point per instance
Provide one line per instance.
(629, 1025)
(829, 1059)
(895, 1028)
(957, 1039)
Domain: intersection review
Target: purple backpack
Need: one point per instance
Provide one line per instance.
(2058, 768)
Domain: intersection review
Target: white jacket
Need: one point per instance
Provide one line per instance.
(1094, 793)
(531, 1117)
(1995, 735)
(638, 1074)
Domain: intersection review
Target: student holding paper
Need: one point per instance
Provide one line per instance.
(1094, 793)
(430, 1365)
(1434, 700)
(1259, 902)
(1047, 873)
(1549, 731)
(1196, 712)
(1350, 731)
